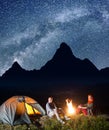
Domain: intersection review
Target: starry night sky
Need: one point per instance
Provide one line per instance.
(32, 30)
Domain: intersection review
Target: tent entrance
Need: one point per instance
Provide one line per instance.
(30, 110)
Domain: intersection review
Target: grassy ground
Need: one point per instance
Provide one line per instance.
(75, 123)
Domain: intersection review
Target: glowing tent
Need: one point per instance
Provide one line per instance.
(17, 109)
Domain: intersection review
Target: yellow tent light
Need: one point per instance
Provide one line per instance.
(31, 110)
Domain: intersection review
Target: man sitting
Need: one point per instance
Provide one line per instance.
(52, 110)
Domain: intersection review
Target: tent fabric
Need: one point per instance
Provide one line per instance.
(14, 111)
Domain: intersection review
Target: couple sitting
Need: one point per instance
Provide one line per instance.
(53, 111)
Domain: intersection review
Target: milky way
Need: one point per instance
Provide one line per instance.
(32, 30)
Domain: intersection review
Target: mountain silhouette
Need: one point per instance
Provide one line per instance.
(62, 67)
(15, 71)
(16, 66)
(65, 64)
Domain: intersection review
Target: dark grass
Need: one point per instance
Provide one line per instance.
(77, 122)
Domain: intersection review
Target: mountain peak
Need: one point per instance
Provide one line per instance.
(13, 71)
(63, 52)
(65, 63)
(64, 45)
(16, 65)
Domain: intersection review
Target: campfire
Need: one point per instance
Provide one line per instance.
(70, 108)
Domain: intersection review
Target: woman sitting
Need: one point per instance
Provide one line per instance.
(87, 108)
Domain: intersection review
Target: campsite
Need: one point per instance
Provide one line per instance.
(25, 113)
(54, 64)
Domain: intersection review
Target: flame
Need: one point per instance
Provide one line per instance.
(31, 110)
(70, 107)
